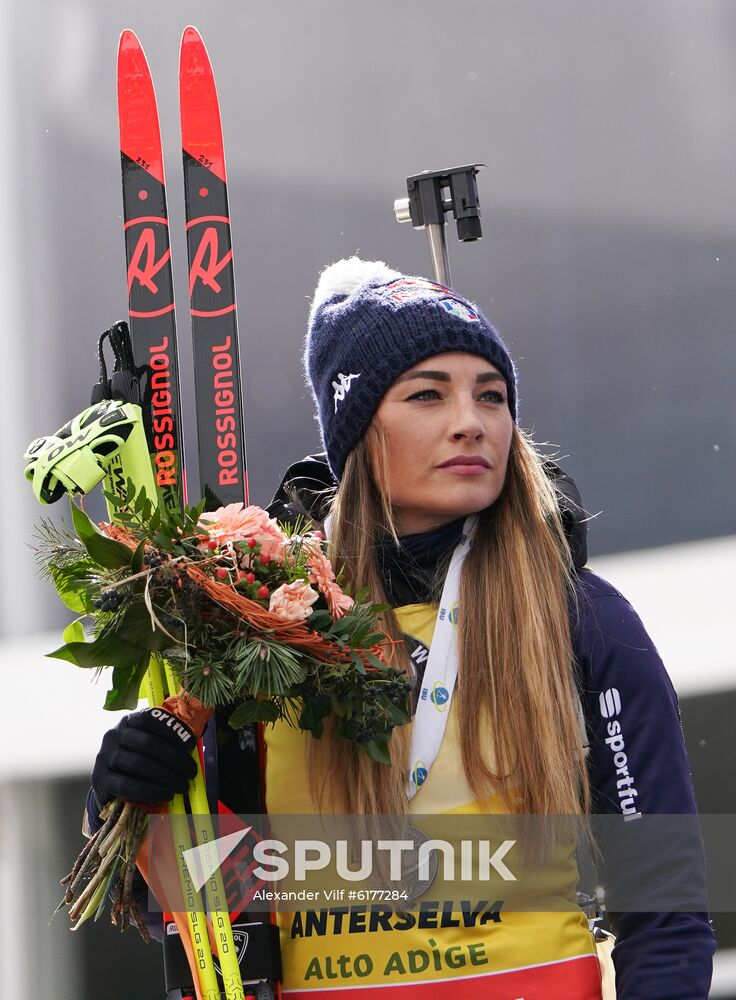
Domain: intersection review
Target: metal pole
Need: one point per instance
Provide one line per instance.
(437, 242)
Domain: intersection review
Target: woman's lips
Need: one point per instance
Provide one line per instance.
(465, 470)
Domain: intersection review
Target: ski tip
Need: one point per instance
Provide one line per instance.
(193, 57)
(140, 137)
(201, 131)
(128, 41)
(190, 35)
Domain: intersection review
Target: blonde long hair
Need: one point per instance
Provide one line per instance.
(516, 675)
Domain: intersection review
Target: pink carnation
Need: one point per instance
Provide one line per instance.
(321, 573)
(236, 523)
(293, 602)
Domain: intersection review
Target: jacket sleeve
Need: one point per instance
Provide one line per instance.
(638, 766)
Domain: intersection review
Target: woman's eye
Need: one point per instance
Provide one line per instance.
(426, 394)
(491, 396)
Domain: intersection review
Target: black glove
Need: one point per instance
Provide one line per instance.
(146, 758)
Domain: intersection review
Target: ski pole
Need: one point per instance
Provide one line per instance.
(196, 919)
(216, 897)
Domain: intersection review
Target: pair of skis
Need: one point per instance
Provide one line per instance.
(218, 399)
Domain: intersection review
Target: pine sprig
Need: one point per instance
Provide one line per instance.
(261, 666)
(207, 680)
(55, 545)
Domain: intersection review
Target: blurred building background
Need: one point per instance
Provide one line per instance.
(608, 263)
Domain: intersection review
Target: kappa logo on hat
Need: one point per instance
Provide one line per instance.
(459, 310)
(342, 388)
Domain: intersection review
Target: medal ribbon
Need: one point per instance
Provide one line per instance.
(440, 674)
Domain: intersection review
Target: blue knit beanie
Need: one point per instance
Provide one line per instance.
(368, 324)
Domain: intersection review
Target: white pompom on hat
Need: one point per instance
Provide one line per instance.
(344, 276)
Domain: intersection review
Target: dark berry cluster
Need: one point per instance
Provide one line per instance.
(397, 690)
(153, 559)
(370, 724)
(359, 730)
(342, 684)
(109, 600)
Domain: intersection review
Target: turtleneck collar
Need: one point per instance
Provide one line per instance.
(413, 571)
(428, 545)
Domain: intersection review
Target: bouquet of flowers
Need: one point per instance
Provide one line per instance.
(246, 612)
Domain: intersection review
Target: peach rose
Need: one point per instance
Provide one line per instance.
(292, 602)
(236, 523)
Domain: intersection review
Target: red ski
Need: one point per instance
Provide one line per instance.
(219, 406)
(150, 282)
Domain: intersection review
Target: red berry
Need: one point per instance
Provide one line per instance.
(263, 559)
(221, 573)
(250, 577)
(263, 592)
(317, 534)
(212, 544)
(252, 543)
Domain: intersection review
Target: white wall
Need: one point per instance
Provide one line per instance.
(684, 594)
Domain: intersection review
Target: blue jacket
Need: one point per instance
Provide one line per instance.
(628, 699)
